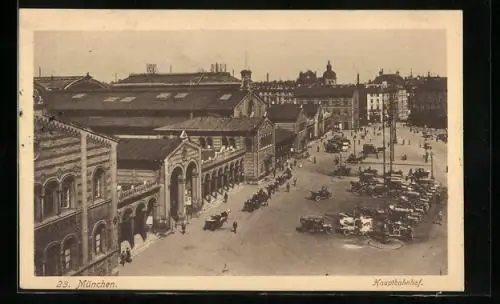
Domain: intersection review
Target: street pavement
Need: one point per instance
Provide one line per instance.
(267, 243)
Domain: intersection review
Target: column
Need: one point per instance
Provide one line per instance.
(208, 182)
(215, 180)
(195, 190)
(166, 181)
(132, 230)
(84, 177)
(113, 230)
(180, 196)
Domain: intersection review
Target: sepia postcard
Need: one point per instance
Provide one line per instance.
(241, 150)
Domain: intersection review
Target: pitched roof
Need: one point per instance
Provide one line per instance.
(283, 135)
(56, 82)
(224, 124)
(146, 149)
(136, 122)
(284, 112)
(389, 78)
(310, 109)
(180, 78)
(168, 99)
(340, 91)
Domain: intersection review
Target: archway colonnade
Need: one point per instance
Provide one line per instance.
(217, 180)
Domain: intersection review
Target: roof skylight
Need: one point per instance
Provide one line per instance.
(127, 99)
(163, 96)
(111, 99)
(225, 97)
(77, 96)
(181, 95)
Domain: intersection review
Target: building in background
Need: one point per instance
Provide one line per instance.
(341, 102)
(249, 142)
(291, 117)
(276, 92)
(75, 200)
(428, 101)
(383, 89)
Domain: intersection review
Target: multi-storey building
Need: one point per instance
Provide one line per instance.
(275, 92)
(291, 117)
(75, 200)
(428, 101)
(386, 88)
(341, 102)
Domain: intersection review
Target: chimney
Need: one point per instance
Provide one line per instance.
(357, 79)
(225, 68)
(429, 74)
(267, 77)
(246, 79)
(397, 73)
(233, 73)
(39, 72)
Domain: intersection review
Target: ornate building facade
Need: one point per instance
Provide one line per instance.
(75, 200)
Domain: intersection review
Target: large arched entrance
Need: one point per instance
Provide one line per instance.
(176, 180)
(53, 260)
(220, 175)
(214, 181)
(126, 229)
(192, 190)
(140, 221)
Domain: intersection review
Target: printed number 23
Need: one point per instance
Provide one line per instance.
(62, 284)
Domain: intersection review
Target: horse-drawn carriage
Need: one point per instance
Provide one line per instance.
(215, 222)
(352, 159)
(322, 194)
(314, 224)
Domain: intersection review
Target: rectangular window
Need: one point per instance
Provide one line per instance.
(66, 198)
(98, 243)
(67, 258)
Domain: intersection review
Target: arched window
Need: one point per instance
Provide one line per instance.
(203, 142)
(50, 200)
(68, 193)
(100, 240)
(98, 183)
(69, 255)
(38, 203)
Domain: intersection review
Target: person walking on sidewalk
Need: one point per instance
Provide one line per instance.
(183, 227)
(128, 255)
(287, 187)
(235, 226)
(225, 197)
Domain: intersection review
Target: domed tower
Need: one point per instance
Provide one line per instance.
(329, 76)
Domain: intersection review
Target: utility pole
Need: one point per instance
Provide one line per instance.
(391, 126)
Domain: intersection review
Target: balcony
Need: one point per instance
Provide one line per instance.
(211, 158)
(137, 190)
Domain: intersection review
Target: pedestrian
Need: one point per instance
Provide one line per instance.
(287, 187)
(225, 197)
(128, 255)
(294, 181)
(439, 217)
(225, 269)
(314, 159)
(446, 169)
(235, 226)
(317, 148)
(183, 227)
(123, 258)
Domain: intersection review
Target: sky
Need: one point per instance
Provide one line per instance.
(282, 54)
